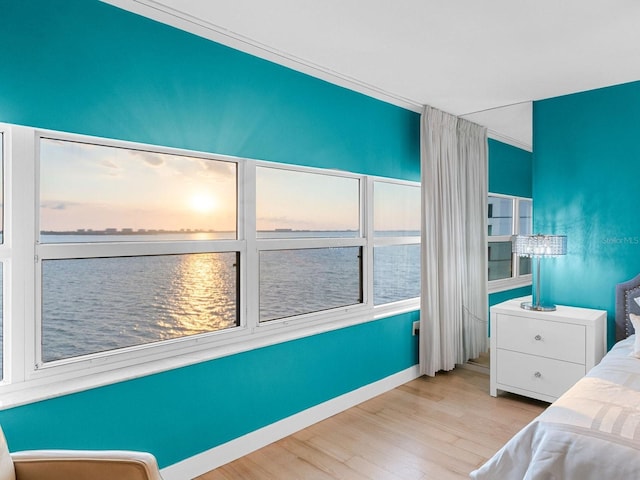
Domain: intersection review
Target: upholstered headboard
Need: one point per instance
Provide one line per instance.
(627, 301)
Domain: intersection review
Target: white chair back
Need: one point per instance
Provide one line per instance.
(7, 471)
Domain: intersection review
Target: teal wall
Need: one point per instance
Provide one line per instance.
(510, 173)
(182, 412)
(505, 295)
(585, 185)
(510, 169)
(87, 67)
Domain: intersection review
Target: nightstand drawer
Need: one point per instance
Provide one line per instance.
(537, 374)
(551, 339)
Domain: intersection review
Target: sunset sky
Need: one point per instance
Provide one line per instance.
(95, 187)
(396, 207)
(84, 186)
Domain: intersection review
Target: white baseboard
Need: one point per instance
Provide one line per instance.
(227, 452)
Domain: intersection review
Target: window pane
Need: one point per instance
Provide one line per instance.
(293, 204)
(98, 193)
(500, 216)
(396, 273)
(525, 208)
(396, 209)
(294, 282)
(524, 265)
(500, 257)
(98, 304)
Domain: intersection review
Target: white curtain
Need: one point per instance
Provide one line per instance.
(453, 318)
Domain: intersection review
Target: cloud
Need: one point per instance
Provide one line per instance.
(109, 164)
(150, 158)
(57, 205)
(218, 167)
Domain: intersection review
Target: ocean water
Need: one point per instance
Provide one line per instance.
(99, 304)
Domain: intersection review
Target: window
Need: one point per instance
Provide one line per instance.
(311, 257)
(525, 227)
(507, 216)
(92, 305)
(128, 247)
(148, 258)
(396, 251)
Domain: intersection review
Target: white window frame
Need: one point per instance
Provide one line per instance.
(272, 244)
(115, 249)
(28, 379)
(516, 280)
(387, 241)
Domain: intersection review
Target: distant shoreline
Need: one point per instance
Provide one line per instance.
(128, 231)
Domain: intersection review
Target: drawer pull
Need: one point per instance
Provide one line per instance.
(538, 337)
(537, 375)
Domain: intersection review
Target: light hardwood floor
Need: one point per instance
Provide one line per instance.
(431, 428)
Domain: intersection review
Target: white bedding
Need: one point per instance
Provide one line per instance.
(590, 432)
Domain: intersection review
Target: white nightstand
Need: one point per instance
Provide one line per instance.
(542, 354)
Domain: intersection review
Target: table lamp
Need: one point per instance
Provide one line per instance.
(538, 246)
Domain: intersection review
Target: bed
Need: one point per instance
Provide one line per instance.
(593, 430)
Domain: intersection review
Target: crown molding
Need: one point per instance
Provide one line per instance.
(157, 11)
(509, 140)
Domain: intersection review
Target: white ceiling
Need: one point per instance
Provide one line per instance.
(484, 60)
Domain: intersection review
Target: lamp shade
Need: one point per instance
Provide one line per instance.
(539, 245)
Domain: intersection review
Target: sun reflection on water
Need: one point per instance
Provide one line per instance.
(98, 304)
(202, 296)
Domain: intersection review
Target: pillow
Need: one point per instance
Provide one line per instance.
(635, 321)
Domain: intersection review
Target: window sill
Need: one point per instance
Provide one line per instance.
(51, 386)
(496, 286)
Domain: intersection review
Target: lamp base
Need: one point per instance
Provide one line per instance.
(538, 308)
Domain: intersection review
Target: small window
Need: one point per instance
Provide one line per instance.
(316, 264)
(525, 217)
(500, 260)
(507, 216)
(500, 216)
(396, 251)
